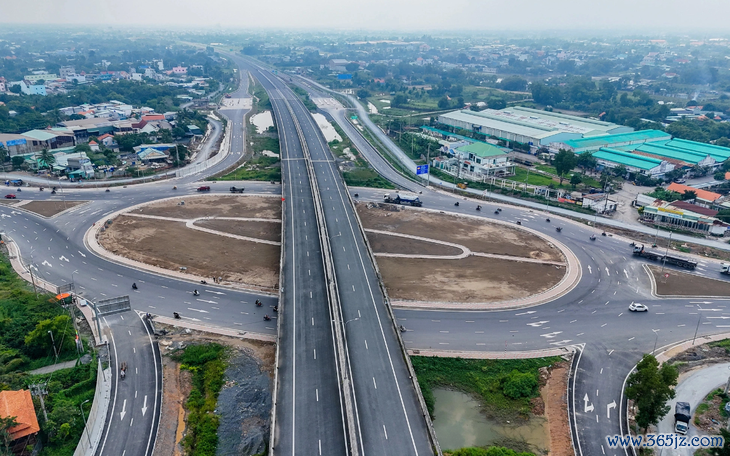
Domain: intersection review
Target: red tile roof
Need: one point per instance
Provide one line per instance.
(20, 405)
(684, 205)
(701, 194)
(150, 117)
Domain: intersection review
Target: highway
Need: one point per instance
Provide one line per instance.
(388, 416)
(309, 415)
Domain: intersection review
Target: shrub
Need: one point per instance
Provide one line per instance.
(519, 384)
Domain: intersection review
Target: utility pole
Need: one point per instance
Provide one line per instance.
(695, 336)
(666, 252)
(39, 389)
(428, 165)
(32, 277)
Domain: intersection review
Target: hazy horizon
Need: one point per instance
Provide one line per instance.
(529, 16)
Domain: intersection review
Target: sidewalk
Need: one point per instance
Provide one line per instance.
(53, 368)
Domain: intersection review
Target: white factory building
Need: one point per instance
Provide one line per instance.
(529, 126)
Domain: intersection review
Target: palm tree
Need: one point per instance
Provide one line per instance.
(46, 159)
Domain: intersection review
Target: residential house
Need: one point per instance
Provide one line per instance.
(94, 145)
(704, 198)
(19, 404)
(31, 89)
(108, 140)
(338, 64)
(179, 71)
(3, 85)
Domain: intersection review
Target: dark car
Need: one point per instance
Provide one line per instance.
(204, 188)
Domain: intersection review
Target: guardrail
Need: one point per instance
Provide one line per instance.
(404, 352)
(332, 294)
(93, 426)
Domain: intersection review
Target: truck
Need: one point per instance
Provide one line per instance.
(668, 258)
(725, 268)
(403, 198)
(681, 418)
(236, 189)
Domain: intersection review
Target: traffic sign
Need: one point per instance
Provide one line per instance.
(422, 169)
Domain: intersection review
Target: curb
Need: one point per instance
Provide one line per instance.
(261, 337)
(541, 353)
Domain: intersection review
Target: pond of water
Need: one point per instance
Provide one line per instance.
(460, 422)
(262, 121)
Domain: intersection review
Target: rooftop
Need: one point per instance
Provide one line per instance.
(482, 150)
(20, 405)
(627, 159)
(685, 206)
(701, 194)
(605, 141)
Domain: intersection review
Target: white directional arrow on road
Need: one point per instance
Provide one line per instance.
(526, 313)
(46, 263)
(216, 292)
(63, 258)
(209, 302)
(586, 407)
(561, 342)
(626, 274)
(590, 271)
(144, 406)
(189, 318)
(721, 318)
(551, 335)
(537, 324)
(607, 271)
(609, 407)
(198, 310)
(81, 254)
(124, 408)
(700, 302)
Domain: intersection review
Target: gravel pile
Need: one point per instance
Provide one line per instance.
(244, 407)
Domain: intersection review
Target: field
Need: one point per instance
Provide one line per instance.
(50, 208)
(173, 242)
(480, 261)
(683, 284)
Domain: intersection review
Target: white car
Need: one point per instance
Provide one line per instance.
(637, 307)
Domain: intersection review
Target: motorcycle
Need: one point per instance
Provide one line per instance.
(604, 234)
(176, 315)
(402, 328)
(258, 303)
(456, 203)
(479, 208)
(195, 293)
(134, 286)
(53, 192)
(593, 237)
(547, 220)
(107, 190)
(496, 212)
(267, 318)
(203, 282)
(40, 189)
(519, 222)
(558, 229)
(276, 309)
(357, 195)
(174, 188)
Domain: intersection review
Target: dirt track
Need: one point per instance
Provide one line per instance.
(472, 279)
(477, 235)
(171, 245)
(216, 206)
(49, 208)
(683, 284)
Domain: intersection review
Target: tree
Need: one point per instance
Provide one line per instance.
(651, 387)
(3, 154)
(6, 424)
(564, 162)
(496, 103)
(362, 94)
(514, 84)
(38, 342)
(17, 161)
(399, 100)
(46, 159)
(586, 160)
(352, 66)
(443, 103)
(575, 179)
(725, 449)
(620, 171)
(689, 195)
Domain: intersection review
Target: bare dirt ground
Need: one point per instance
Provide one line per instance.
(243, 426)
(477, 235)
(648, 240)
(216, 206)
(554, 396)
(258, 230)
(683, 284)
(50, 208)
(382, 243)
(472, 279)
(172, 245)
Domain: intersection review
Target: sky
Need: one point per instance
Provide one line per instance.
(391, 15)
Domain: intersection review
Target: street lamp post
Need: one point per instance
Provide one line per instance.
(81, 407)
(656, 332)
(53, 342)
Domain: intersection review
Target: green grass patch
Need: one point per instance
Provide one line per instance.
(504, 386)
(304, 96)
(261, 168)
(207, 363)
(725, 343)
(365, 177)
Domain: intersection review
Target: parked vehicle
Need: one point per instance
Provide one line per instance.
(17, 182)
(681, 417)
(462, 185)
(638, 307)
(236, 189)
(204, 188)
(669, 258)
(403, 198)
